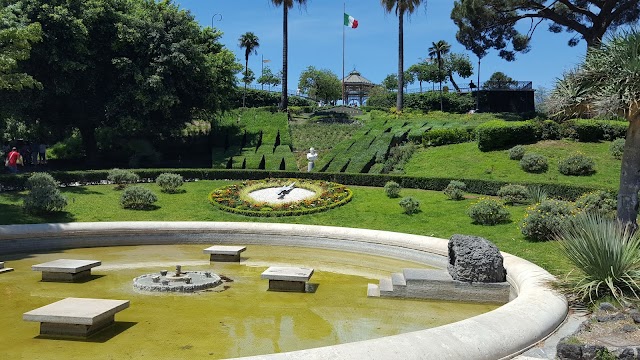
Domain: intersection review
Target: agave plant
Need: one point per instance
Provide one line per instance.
(606, 255)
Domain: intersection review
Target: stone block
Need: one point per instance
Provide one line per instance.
(283, 278)
(4, 269)
(224, 253)
(66, 270)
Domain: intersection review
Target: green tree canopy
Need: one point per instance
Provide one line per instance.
(268, 78)
(458, 64)
(17, 35)
(390, 82)
(485, 24)
(137, 67)
(499, 80)
(320, 84)
(250, 43)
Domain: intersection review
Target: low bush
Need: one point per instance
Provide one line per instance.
(543, 221)
(122, 178)
(498, 135)
(409, 205)
(392, 189)
(169, 182)
(514, 194)
(600, 202)
(488, 212)
(534, 163)
(617, 148)
(588, 130)
(44, 195)
(455, 190)
(577, 165)
(448, 136)
(607, 255)
(137, 197)
(548, 130)
(516, 152)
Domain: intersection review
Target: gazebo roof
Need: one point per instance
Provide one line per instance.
(355, 78)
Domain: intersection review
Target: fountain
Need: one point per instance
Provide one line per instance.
(179, 281)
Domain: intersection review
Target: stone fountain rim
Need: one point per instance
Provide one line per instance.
(502, 333)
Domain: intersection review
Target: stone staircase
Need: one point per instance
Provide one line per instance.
(437, 284)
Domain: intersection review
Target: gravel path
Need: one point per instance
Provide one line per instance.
(270, 195)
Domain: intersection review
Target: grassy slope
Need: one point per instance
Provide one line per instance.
(370, 208)
(466, 161)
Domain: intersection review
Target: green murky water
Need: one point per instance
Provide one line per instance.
(242, 320)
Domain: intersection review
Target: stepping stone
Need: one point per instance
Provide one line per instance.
(4, 269)
(76, 317)
(66, 270)
(224, 253)
(282, 278)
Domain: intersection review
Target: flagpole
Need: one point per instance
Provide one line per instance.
(344, 8)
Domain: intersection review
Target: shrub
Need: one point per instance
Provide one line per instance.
(44, 195)
(513, 194)
(537, 194)
(534, 163)
(577, 165)
(548, 130)
(497, 135)
(543, 221)
(607, 254)
(488, 212)
(447, 136)
(392, 189)
(594, 130)
(122, 178)
(516, 152)
(617, 148)
(601, 202)
(169, 182)
(137, 197)
(410, 205)
(455, 190)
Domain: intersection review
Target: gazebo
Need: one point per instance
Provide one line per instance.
(356, 87)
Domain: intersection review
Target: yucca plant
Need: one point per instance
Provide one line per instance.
(606, 255)
(537, 194)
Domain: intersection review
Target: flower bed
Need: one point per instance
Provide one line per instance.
(235, 198)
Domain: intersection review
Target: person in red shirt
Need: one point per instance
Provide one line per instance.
(12, 160)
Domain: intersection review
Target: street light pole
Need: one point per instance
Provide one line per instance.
(262, 70)
(214, 17)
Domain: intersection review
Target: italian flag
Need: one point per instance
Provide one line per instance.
(350, 21)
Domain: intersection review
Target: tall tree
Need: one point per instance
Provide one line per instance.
(17, 35)
(320, 84)
(588, 20)
(390, 82)
(438, 49)
(419, 71)
(458, 64)
(250, 43)
(499, 80)
(608, 81)
(286, 5)
(401, 7)
(269, 78)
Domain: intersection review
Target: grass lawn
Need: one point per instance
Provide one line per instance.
(466, 161)
(370, 208)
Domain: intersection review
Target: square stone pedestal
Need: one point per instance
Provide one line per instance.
(76, 317)
(224, 253)
(66, 270)
(4, 269)
(291, 279)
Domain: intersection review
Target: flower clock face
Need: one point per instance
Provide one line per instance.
(280, 197)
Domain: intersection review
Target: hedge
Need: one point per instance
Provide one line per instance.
(476, 186)
(587, 130)
(498, 135)
(447, 136)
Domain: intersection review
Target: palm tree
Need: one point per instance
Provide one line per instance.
(438, 50)
(608, 82)
(286, 5)
(400, 7)
(249, 41)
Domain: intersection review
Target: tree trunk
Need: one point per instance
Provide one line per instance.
(630, 175)
(420, 86)
(284, 104)
(455, 86)
(89, 143)
(246, 76)
(400, 98)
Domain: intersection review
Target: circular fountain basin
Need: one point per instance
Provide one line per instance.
(270, 195)
(187, 281)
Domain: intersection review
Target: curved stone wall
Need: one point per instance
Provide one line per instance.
(503, 333)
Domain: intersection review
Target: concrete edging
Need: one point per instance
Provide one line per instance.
(502, 333)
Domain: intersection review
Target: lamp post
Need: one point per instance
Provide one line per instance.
(471, 87)
(214, 18)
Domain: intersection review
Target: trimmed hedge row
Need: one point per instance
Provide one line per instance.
(498, 135)
(476, 186)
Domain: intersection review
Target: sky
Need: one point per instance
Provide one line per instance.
(316, 39)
